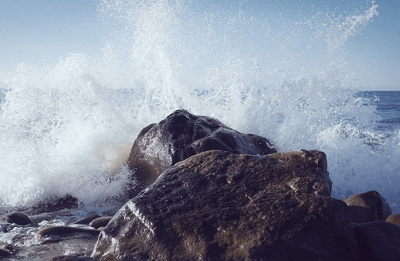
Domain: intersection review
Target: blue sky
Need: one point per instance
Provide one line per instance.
(40, 32)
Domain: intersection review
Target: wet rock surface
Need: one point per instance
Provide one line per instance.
(181, 135)
(65, 230)
(18, 218)
(100, 222)
(223, 206)
(368, 206)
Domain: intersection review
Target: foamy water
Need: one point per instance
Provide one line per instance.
(66, 129)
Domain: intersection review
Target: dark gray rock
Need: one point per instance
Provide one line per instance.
(222, 206)
(378, 241)
(182, 135)
(4, 253)
(394, 219)
(88, 218)
(18, 218)
(368, 207)
(100, 222)
(65, 230)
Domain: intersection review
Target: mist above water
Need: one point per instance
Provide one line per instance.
(66, 129)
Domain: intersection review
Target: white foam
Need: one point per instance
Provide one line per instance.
(64, 129)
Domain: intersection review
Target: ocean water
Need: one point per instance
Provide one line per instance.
(67, 129)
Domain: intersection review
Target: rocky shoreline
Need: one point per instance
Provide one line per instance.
(200, 190)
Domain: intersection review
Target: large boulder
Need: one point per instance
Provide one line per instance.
(182, 135)
(368, 206)
(222, 206)
(378, 241)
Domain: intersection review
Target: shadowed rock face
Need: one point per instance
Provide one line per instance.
(182, 135)
(222, 206)
(378, 241)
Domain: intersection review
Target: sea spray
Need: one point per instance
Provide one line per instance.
(66, 129)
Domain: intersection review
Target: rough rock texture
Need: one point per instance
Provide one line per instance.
(222, 206)
(394, 219)
(182, 135)
(378, 241)
(368, 207)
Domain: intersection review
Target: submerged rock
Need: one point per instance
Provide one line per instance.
(378, 241)
(222, 206)
(182, 135)
(367, 207)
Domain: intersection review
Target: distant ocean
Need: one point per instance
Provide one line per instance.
(387, 107)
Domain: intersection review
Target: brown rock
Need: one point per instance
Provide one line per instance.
(100, 222)
(368, 207)
(222, 206)
(394, 219)
(378, 241)
(182, 135)
(65, 230)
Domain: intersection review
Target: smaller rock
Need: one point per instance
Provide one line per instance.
(71, 258)
(378, 241)
(65, 230)
(394, 219)
(368, 207)
(100, 222)
(88, 218)
(18, 218)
